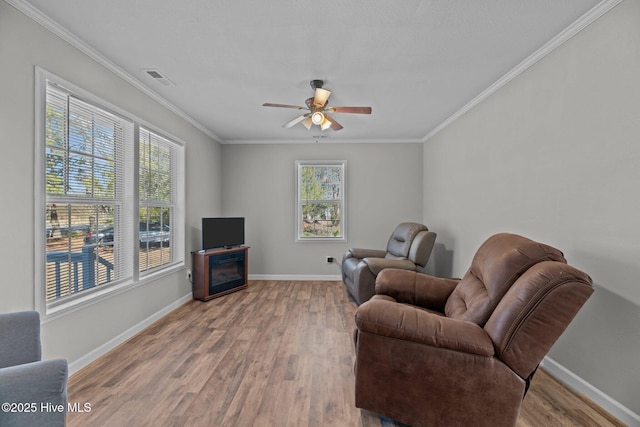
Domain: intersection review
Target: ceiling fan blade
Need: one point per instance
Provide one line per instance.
(353, 110)
(296, 120)
(268, 104)
(334, 125)
(321, 97)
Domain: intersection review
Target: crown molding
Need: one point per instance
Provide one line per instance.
(46, 22)
(580, 24)
(583, 22)
(312, 140)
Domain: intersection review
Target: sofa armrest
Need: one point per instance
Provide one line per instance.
(376, 265)
(364, 253)
(19, 338)
(411, 287)
(393, 320)
(36, 384)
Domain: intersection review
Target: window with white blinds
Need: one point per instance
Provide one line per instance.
(112, 194)
(157, 193)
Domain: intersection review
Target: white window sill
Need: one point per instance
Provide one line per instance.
(64, 308)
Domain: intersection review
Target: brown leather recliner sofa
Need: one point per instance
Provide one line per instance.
(408, 248)
(461, 352)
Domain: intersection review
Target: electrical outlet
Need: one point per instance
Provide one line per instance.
(329, 259)
(189, 275)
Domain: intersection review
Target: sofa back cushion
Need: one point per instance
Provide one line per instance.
(497, 264)
(400, 241)
(421, 248)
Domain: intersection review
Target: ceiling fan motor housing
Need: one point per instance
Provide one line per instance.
(316, 84)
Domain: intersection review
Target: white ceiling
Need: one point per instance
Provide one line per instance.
(415, 62)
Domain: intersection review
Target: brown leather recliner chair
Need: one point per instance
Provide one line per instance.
(408, 248)
(450, 352)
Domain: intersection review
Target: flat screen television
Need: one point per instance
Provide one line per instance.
(222, 232)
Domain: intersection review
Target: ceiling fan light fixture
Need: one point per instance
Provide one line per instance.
(307, 122)
(316, 107)
(326, 124)
(317, 118)
(321, 97)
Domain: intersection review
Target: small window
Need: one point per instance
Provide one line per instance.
(320, 207)
(157, 181)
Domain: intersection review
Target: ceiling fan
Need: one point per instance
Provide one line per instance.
(317, 106)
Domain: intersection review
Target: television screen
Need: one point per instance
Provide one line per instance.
(222, 232)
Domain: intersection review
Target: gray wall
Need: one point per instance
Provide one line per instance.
(555, 155)
(384, 188)
(23, 45)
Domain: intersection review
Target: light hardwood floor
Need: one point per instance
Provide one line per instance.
(276, 354)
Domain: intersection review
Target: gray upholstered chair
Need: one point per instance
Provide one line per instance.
(32, 390)
(408, 248)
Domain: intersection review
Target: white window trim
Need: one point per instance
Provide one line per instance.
(343, 201)
(50, 312)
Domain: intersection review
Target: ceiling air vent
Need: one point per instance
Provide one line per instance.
(159, 77)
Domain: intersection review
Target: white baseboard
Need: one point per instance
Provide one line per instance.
(579, 385)
(83, 361)
(300, 277)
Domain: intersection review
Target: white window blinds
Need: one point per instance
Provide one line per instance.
(109, 208)
(86, 164)
(157, 193)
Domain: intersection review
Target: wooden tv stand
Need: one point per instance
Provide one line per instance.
(218, 272)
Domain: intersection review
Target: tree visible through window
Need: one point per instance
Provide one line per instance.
(320, 200)
(84, 152)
